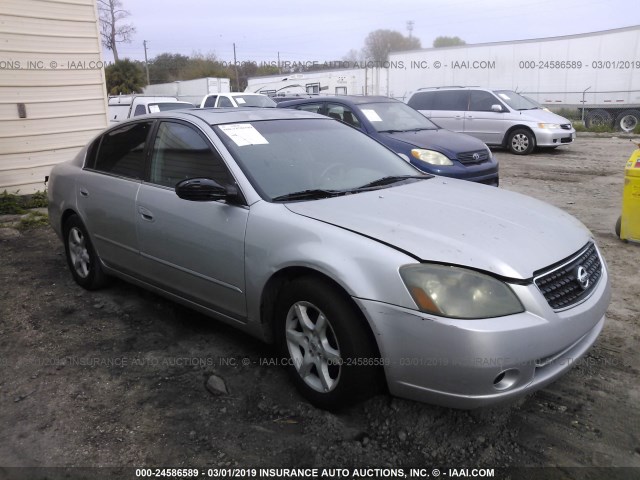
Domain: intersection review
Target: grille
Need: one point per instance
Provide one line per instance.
(560, 285)
(566, 140)
(566, 126)
(466, 158)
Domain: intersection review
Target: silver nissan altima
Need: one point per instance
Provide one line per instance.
(364, 272)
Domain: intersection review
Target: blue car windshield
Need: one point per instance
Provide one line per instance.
(395, 117)
(281, 157)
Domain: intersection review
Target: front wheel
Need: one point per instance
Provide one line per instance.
(326, 344)
(521, 142)
(82, 258)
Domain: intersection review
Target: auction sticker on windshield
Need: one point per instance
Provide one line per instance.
(243, 134)
(372, 115)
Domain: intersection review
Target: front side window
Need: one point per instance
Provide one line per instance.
(180, 152)
(121, 151)
(481, 101)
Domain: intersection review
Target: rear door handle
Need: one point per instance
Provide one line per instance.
(145, 214)
(84, 192)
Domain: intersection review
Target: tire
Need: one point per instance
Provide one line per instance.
(628, 120)
(82, 258)
(618, 226)
(598, 118)
(521, 142)
(321, 335)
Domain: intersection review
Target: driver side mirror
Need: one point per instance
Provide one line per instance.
(496, 108)
(205, 190)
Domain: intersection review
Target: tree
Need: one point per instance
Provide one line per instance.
(125, 76)
(440, 42)
(167, 67)
(379, 43)
(112, 31)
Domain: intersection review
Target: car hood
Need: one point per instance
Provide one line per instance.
(457, 222)
(543, 116)
(441, 140)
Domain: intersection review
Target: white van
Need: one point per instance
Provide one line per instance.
(497, 117)
(122, 107)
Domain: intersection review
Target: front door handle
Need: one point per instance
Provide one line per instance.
(84, 192)
(145, 214)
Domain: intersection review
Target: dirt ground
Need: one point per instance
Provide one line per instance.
(117, 377)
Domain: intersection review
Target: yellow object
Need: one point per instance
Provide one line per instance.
(630, 220)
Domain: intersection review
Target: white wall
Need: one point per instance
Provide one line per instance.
(50, 58)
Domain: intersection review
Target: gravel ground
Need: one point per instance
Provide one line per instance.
(118, 377)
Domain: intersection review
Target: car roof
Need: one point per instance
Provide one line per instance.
(347, 99)
(219, 116)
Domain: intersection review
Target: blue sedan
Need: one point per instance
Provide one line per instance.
(407, 132)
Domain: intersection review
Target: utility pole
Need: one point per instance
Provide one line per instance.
(279, 69)
(146, 62)
(410, 27)
(235, 64)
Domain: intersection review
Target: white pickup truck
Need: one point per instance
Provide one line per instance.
(122, 107)
(236, 99)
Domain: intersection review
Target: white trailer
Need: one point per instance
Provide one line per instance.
(353, 81)
(597, 72)
(190, 90)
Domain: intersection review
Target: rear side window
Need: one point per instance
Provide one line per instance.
(122, 151)
(451, 100)
(210, 101)
(140, 110)
(422, 101)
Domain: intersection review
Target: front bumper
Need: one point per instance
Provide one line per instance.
(473, 363)
(554, 137)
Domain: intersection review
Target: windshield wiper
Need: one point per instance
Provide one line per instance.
(308, 195)
(391, 179)
(390, 131)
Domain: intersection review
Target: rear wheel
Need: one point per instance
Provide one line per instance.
(628, 120)
(82, 258)
(521, 142)
(326, 344)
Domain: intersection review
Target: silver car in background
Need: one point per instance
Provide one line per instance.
(497, 117)
(362, 270)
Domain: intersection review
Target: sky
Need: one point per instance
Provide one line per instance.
(325, 30)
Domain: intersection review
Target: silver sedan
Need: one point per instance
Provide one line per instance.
(363, 271)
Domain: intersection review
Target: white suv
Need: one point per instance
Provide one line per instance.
(497, 117)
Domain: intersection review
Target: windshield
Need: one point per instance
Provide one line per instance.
(282, 157)
(254, 101)
(392, 116)
(515, 100)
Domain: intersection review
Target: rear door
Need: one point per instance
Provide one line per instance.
(449, 109)
(108, 189)
(194, 249)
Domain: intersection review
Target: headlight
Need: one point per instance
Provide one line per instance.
(430, 157)
(458, 293)
(548, 125)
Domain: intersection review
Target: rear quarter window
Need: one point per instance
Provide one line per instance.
(422, 101)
